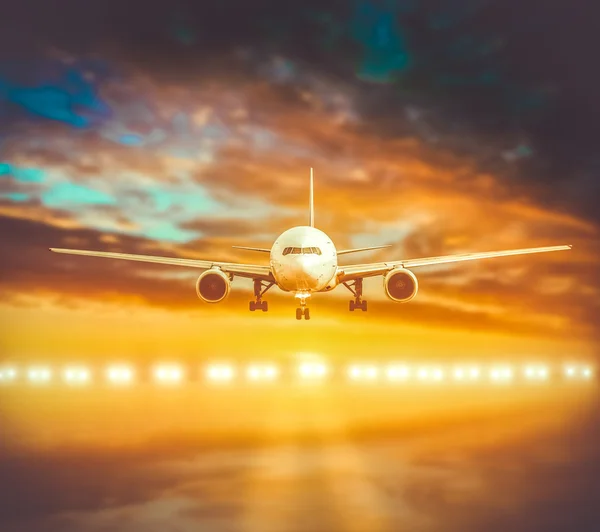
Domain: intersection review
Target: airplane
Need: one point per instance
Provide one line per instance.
(304, 260)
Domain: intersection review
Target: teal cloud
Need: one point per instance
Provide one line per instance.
(17, 197)
(24, 175)
(65, 194)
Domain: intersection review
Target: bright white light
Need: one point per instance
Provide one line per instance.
(316, 370)
(437, 374)
(223, 372)
(77, 375)
(261, 372)
(168, 374)
(358, 372)
(464, 373)
(8, 374)
(312, 370)
(39, 374)
(578, 371)
(397, 372)
(536, 372)
(501, 374)
(430, 374)
(120, 374)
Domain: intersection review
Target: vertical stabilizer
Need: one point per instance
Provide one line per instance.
(311, 220)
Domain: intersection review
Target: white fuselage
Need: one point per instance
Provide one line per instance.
(304, 260)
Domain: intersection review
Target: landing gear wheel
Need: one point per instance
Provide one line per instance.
(299, 313)
(357, 302)
(306, 314)
(259, 291)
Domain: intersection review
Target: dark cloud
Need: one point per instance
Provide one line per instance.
(28, 243)
(483, 67)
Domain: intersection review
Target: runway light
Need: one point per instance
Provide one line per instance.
(8, 374)
(574, 371)
(536, 372)
(501, 374)
(312, 370)
(430, 374)
(39, 375)
(220, 373)
(168, 374)
(396, 373)
(77, 375)
(358, 372)
(474, 373)
(120, 374)
(459, 374)
(466, 373)
(257, 372)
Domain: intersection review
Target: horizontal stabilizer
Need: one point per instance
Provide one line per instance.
(262, 250)
(344, 251)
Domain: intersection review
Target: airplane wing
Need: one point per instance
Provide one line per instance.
(355, 271)
(355, 250)
(253, 271)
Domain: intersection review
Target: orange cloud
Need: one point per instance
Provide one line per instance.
(369, 188)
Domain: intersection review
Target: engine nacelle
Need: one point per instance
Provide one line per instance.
(400, 285)
(213, 286)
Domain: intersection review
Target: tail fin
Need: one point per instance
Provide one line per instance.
(311, 211)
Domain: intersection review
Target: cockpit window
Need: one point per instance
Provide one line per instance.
(311, 251)
(302, 251)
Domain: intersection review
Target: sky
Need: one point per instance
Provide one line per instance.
(185, 128)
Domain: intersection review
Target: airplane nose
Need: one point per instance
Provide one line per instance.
(304, 271)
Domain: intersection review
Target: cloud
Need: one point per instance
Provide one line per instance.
(189, 165)
(181, 130)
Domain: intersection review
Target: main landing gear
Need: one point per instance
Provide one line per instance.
(259, 291)
(356, 289)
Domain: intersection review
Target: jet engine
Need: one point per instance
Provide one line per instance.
(400, 285)
(213, 286)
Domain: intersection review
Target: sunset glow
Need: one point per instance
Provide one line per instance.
(191, 131)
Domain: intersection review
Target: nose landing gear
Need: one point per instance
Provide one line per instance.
(303, 309)
(259, 291)
(358, 302)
